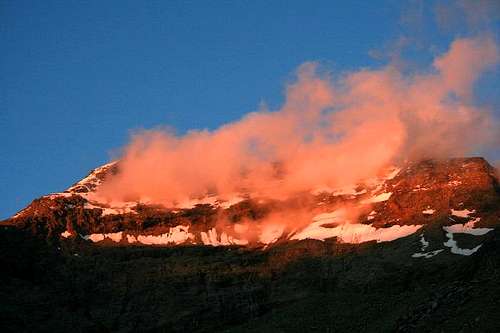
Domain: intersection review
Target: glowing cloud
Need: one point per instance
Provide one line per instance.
(329, 132)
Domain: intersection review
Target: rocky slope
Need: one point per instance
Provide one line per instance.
(398, 203)
(424, 237)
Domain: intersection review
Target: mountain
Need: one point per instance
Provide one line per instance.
(423, 236)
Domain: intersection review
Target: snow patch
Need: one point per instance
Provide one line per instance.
(94, 237)
(452, 244)
(351, 232)
(113, 208)
(426, 255)
(114, 236)
(177, 235)
(467, 228)
(462, 213)
(424, 243)
(424, 246)
(21, 212)
(91, 181)
(131, 239)
(89, 205)
(328, 217)
(419, 188)
(371, 216)
(211, 238)
(116, 211)
(393, 173)
(378, 198)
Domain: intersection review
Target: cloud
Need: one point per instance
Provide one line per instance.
(331, 131)
(475, 15)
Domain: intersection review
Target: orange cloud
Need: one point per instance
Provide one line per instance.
(328, 133)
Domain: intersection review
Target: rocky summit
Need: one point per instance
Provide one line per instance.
(416, 248)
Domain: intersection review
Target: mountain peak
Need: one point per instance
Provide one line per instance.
(424, 235)
(397, 204)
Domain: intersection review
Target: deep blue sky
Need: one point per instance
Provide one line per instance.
(76, 77)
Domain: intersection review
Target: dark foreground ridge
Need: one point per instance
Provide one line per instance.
(442, 277)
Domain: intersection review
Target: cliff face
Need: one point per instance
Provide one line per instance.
(443, 186)
(428, 192)
(422, 253)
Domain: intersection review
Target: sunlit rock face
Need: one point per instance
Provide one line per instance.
(399, 203)
(422, 235)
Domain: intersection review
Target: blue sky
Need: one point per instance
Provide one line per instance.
(76, 77)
